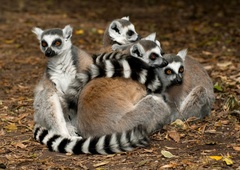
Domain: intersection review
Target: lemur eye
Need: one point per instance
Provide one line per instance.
(44, 44)
(153, 56)
(130, 33)
(57, 43)
(168, 71)
(181, 70)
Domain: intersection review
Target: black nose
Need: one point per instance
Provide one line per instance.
(164, 63)
(49, 52)
(139, 37)
(178, 80)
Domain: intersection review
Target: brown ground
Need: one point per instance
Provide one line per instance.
(211, 32)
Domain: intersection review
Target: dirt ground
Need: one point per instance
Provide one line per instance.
(209, 29)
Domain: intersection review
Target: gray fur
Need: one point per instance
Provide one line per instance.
(54, 122)
(54, 31)
(194, 96)
(49, 105)
(123, 25)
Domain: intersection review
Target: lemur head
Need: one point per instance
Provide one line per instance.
(54, 42)
(122, 31)
(149, 50)
(172, 74)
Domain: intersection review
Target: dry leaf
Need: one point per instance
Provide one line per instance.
(211, 131)
(217, 158)
(236, 148)
(2, 132)
(167, 154)
(9, 41)
(225, 65)
(227, 160)
(141, 163)
(20, 145)
(79, 32)
(179, 123)
(101, 164)
(148, 150)
(171, 165)
(169, 148)
(11, 127)
(100, 31)
(174, 135)
(100, 168)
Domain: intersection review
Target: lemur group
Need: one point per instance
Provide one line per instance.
(113, 101)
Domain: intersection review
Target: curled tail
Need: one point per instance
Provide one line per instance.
(107, 144)
(115, 64)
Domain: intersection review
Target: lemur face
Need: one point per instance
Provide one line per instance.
(172, 74)
(54, 42)
(122, 31)
(150, 52)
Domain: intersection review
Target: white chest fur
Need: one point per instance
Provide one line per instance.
(62, 71)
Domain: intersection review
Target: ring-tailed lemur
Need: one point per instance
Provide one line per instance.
(120, 31)
(194, 96)
(64, 61)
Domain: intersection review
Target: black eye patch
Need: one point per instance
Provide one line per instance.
(57, 42)
(44, 43)
(130, 32)
(153, 56)
(181, 69)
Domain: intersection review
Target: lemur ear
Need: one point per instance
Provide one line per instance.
(150, 37)
(126, 18)
(158, 43)
(182, 54)
(38, 32)
(67, 32)
(137, 50)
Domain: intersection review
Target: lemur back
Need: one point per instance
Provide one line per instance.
(52, 125)
(117, 104)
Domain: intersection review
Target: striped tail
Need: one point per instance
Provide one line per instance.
(107, 144)
(98, 59)
(114, 64)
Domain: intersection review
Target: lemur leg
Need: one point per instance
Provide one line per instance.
(151, 112)
(196, 104)
(49, 112)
